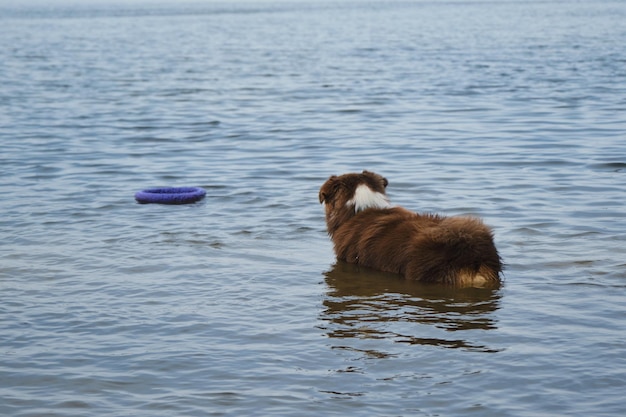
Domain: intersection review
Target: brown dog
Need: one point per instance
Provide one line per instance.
(367, 231)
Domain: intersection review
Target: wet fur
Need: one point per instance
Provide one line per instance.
(367, 231)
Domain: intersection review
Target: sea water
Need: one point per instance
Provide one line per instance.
(513, 111)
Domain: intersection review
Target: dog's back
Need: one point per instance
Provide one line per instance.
(428, 248)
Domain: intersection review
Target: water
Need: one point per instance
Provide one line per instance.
(513, 111)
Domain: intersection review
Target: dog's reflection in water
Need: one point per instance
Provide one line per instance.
(368, 304)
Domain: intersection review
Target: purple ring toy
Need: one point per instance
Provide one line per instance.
(170, 195)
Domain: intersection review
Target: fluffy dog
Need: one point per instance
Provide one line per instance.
(367, 231)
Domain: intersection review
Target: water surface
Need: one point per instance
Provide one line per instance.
(512, 111)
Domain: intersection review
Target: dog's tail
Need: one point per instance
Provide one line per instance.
(458, 251)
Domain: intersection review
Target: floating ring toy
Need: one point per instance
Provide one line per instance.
(170, 195)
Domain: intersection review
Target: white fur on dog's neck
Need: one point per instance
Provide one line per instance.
(365, 197)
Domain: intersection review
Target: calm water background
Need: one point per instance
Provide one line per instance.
(513, 111)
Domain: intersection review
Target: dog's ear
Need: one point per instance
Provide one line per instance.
(375, 175)
(328, 190)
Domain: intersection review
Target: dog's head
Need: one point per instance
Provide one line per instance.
(348, 194)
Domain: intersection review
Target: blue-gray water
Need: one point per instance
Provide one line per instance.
(513, 111)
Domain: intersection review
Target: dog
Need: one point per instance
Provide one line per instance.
(366, 230)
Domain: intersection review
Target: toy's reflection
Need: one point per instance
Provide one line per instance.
(366, 304)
